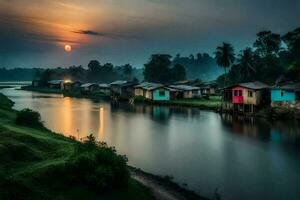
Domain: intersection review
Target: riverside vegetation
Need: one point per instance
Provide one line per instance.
(39, 164)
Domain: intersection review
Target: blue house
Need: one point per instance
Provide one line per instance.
(289, 93)
(153, 91)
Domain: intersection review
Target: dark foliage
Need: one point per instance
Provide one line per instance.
(94, 165)
(159, 70)
(27, 117)
(267, 60)
(96, 72)
(201, 66)
(5, 103)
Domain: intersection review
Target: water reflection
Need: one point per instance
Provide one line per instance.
(203, 149)
(262, 129)
(101, 124)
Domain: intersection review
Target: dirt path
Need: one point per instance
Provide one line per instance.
(163, 189)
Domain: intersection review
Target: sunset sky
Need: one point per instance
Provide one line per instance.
(33, 33)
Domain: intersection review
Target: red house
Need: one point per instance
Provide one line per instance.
(245, 96)
(237, 95)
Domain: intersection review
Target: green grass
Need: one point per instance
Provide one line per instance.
(29, 158)
(210, 104)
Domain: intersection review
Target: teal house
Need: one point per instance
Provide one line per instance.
(287, 93)
(153, 91)
(161, 94)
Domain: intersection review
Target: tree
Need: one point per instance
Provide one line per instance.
(127, 71)
(293, 72)
(94, 69)
(225, 57)
(292, 40)
(76, 72)
(157, 69)
(46, 76)
(94, 66)
(201, 66)
(178, 73)
(107, 73)
(246, 65)
(267, 43)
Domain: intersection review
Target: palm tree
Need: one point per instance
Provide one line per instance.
(246, 64)
(225, 57)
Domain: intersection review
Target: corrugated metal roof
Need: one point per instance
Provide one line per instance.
(55, 81)
(256, 85)
(291, 87)
(184, 87)
(119, 82)
(149, 86)
(104, 85)
(87, 85)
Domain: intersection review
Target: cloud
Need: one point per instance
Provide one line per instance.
(89, 32)
(104, 34)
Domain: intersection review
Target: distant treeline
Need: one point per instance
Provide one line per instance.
(273, 58)
(18, 74)
(95, 72)
(202, 66)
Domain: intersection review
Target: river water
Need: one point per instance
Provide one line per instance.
(242, 158)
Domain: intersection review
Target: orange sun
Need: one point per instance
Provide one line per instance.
(68, 48)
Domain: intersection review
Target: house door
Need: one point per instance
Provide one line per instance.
(298, 96)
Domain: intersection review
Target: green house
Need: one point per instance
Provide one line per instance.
(153, 91)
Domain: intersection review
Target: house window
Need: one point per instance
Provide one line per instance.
(250, 94)
(236, 92)
(195, 91)
(161, 93)
(281, 93)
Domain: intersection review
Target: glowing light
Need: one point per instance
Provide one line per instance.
(101, 124)
(67, 81)
(68, 48)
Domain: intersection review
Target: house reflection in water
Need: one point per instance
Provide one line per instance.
(262, 129)
(248, 126)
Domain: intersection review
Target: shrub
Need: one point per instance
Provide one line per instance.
(94, 165)
(27, 117)
(139, 99)
(5, 102)
(97, 165)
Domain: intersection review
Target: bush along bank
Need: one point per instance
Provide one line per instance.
(36, 163)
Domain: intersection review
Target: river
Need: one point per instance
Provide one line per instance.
(242, 158)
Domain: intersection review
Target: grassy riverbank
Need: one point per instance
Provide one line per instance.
(208, 104)
(212, 103)
(36, 163)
